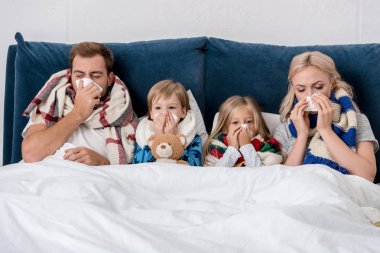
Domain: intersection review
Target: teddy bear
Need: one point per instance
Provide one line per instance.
(167, 148)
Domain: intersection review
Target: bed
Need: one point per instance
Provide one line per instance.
(61, 206)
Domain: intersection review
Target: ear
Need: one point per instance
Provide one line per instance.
(150, 141)
(183, 113)
(110, 79)
(182, 139)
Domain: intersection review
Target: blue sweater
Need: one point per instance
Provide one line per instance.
(192, 154)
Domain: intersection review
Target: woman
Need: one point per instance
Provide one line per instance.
(333, 131)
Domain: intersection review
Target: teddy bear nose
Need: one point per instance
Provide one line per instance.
(163, 146)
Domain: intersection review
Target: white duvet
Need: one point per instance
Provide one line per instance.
(60, 206)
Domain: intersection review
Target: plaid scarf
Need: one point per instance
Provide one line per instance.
(219, 145)
(344, 124)
(115, 113)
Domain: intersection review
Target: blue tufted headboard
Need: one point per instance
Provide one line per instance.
(212, 68)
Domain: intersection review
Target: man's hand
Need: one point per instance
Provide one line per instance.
(86, 99)
(86, 156)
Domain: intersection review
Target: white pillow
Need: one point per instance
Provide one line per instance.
(200, 124)
(272, 120)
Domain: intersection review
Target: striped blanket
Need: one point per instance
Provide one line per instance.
(115, 113)
(344, 124)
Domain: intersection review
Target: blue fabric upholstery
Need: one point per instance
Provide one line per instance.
(212, 68)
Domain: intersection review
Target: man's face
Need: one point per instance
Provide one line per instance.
(91, 67)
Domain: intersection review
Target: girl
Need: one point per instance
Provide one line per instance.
(168, 112)
(336, 133)
(241, 137)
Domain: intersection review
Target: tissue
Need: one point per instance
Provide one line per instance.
(87, 81)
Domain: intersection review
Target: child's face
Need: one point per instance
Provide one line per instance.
(163, 106)
(240, 116)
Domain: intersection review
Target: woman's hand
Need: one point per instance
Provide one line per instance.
(325, 113)
(86, 156)
(232, 136)
(300, 118)
(171, 126)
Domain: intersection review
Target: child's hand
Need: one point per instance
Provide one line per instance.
(244, 137)
(171, 126)
(232, 137)
(159, 123)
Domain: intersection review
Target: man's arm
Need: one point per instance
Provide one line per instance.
(41, 141)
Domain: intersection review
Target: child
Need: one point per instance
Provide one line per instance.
(241, 137)
(168, 112)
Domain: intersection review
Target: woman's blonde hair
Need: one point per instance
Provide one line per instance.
(225, 113)
(323, 63)
(165, 89)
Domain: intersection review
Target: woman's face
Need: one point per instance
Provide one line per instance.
(311, 80)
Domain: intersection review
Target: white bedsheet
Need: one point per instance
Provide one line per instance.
(60, 206)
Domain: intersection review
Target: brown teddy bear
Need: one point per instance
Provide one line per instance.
(167, 148)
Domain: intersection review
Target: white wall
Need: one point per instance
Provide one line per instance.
(291, 22)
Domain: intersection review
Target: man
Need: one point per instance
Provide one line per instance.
(92, 124)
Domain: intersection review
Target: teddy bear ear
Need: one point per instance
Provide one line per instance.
(150, 141)
(182, 138)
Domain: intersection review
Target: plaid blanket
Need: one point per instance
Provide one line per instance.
(115, 114)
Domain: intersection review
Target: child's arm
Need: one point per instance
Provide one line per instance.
(193, 153)
(229, 157)
(251, 157)
(143, 155)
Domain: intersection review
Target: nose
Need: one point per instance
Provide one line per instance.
(163, 146)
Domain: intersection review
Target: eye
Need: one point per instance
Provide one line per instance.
(157, 108)
(96, 76)
(234, 122)
(250, 121)
(319, 87)
(172, 107)
(300, 90)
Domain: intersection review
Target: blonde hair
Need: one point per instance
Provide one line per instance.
(314, 59)
(166, 88)
(225, 114)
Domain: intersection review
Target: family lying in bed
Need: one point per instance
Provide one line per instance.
(93, 122)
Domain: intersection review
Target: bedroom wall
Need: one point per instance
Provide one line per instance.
(292, 22)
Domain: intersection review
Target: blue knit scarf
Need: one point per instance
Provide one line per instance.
(344, 124)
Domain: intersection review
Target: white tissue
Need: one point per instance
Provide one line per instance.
(311, 107)
(87, 81)
(175, 117)
(245, 126)
(61, 151)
